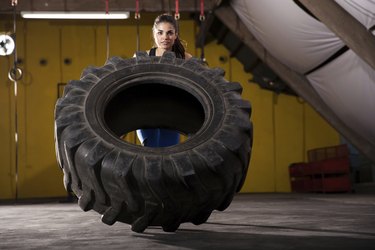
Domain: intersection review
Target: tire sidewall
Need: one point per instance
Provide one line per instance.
(209, 95)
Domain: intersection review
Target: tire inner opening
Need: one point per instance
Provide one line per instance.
(153, 105)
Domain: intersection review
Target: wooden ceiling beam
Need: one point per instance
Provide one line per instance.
(345, 26)
(114, 5)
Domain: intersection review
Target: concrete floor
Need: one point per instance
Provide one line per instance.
(253, 221)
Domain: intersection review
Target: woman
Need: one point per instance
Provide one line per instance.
(165, 34)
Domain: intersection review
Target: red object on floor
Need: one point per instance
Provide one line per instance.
(328, 170)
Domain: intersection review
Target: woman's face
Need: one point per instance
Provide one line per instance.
(165, 35)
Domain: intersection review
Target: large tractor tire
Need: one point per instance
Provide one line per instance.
(145, 186)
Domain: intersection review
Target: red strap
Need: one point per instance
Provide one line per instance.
(201, 16)
(177, 14)
(137, 15)
(106, 6)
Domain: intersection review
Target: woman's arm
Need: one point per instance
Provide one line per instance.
(187, 56)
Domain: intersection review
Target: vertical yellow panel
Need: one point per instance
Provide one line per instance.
(101, 42)
(145, 31)
(288, 138)
(187, 34)
(77, 49)
(218, 56)
(7, 176)
(261, 173)
(318, 132)
(7, 171)
(39, 174)
(122, 40)
(145, 36)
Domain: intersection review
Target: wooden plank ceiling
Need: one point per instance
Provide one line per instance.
(114, 5)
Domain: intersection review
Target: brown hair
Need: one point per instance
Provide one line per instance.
(178, 48)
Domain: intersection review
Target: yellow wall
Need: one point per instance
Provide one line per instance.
(284, 126)
(6, 115)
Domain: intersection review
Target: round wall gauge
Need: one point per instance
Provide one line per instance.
(7, 45)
